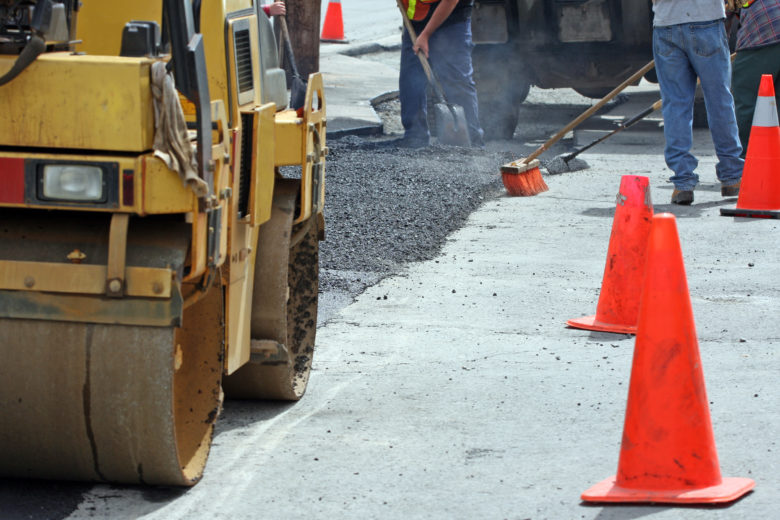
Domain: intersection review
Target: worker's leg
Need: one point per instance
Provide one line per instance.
(749, 65)
(709, 53)
(450, 56)
(411, 92)
(678, 86)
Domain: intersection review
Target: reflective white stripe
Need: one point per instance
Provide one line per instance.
(766, 112)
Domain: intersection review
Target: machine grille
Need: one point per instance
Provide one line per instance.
(245, 178)
(244, 72)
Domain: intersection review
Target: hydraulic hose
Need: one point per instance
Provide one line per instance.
(31, 51)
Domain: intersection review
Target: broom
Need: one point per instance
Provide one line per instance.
(522, 178)
(561, 164)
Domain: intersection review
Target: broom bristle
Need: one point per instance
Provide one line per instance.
(524, 184)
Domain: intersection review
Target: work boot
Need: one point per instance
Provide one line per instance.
(682, 197)
(732, 190)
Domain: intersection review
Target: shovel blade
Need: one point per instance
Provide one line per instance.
(297, 93)
(451, 125)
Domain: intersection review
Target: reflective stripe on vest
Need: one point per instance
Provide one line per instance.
(747, 3)
(411, 9)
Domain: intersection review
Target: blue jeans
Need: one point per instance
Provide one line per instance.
(449, 51)
(683, 52)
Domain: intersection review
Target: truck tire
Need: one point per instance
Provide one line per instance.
(500, 91)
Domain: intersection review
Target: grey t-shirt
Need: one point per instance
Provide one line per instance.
(673, 12)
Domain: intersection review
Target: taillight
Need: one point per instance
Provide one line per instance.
(11, 181)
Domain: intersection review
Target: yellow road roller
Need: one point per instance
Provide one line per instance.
(160, 215)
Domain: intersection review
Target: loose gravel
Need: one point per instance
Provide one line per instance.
(386, 207)
(389, 206)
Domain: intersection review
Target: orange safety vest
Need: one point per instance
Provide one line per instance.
(418, 9)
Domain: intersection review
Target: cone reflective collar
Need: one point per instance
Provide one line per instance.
(618, 305)
(766, 104)
(759, 193)
(668, 451)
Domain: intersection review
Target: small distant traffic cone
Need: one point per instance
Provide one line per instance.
(618, 306)
(759, 192)
(333, 28)
(668, 451)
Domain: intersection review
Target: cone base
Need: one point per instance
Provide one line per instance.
(333, 40)
(591, 323)
(752, 213)
(729, 490)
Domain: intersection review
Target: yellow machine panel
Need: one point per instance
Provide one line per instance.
(114, 104)
(100, 29)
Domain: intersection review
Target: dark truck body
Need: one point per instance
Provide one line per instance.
(588, 45)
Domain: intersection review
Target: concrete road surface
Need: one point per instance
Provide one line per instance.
(454, 390)
(366, 20)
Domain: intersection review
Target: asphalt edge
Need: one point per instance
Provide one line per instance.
(363, 128)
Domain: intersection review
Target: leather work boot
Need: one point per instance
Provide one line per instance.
(682, 197)
(732, 190)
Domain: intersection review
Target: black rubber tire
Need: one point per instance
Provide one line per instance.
(502, 86)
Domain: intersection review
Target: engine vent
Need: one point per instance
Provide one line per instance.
(242, 47)
(245, 177)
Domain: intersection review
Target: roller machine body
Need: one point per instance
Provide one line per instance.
(146, 270)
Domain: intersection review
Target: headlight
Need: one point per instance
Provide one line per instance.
(80, 183)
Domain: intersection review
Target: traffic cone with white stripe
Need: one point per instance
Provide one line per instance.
(333, 28)
(759, 192)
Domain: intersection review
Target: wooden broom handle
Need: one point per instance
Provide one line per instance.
(589, 112)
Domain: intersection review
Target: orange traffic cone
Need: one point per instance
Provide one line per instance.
(333, 28)
(759, 193)
(668, 451)
(618, 306)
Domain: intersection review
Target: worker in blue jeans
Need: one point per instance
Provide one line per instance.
(443, 30)
(689, 41)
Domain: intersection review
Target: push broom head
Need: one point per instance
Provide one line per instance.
(523, 179)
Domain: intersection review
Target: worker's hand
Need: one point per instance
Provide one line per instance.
(731, 6)
(421, 45)
(437, 18)
(277, 8)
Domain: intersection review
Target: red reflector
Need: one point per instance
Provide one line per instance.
(128, 188)
(11, 180)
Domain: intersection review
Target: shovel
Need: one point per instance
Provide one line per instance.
(298, 87)
(451, 125)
